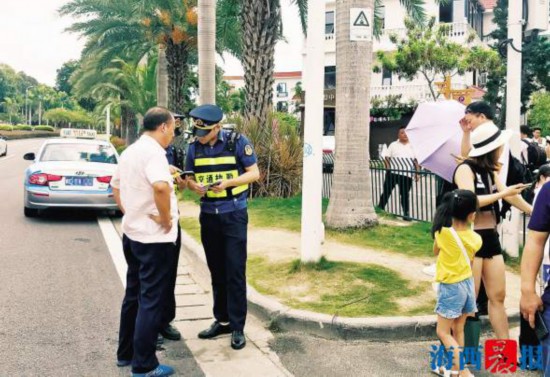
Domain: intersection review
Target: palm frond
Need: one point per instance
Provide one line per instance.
(302, 12)
(415, 9)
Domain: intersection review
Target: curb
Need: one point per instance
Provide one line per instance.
(281, 317)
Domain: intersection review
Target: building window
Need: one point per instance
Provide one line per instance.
(446, 12)
(329, 23)
(382, 16)
(281, 90)
(474, 15)
(386, 76)
(330, 77)
(282, 107)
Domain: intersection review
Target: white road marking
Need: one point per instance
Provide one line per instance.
(4, 159)
(114, 244)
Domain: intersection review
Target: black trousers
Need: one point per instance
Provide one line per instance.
(405, 185)
(141, 317)
(224, 237)
(170, 307)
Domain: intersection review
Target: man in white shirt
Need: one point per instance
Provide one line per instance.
(401, 161)
(143, 189)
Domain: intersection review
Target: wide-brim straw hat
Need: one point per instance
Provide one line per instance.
(486, 138)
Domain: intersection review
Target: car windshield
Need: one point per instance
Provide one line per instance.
(79, 152)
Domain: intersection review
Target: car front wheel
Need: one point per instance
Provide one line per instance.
(30, 212)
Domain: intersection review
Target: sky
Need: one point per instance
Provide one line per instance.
(33, 40)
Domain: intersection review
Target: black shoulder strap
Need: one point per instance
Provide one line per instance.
(232, 138)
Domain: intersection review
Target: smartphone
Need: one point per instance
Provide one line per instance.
(209, 186)
(540, 327)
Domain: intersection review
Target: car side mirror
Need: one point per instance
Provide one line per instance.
(29, 156)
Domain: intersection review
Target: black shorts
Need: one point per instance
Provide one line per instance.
(491, 243)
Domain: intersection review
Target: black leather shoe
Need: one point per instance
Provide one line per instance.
(214, 330)
(170, 333)
(238, 340)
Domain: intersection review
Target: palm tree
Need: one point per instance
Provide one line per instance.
(126, 85)
(133, 29)
(351, 203)
(11, 107)
(207, 51)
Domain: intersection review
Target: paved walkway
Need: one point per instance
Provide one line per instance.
(215, 357)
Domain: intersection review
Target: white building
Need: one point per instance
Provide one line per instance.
(463, 16)
(283, 88)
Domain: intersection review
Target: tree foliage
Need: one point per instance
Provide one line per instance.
(427, 50)
(539, 115)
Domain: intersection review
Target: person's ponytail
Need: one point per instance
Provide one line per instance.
(444, 213)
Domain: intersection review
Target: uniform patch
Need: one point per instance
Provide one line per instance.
(248, 150)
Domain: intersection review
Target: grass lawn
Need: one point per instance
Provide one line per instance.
(413, 240)
(347, 289)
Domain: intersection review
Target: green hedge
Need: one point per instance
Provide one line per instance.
(44, 128)
(22, 127)
(6, 127)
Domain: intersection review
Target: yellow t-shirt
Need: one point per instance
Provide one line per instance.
(451, 266)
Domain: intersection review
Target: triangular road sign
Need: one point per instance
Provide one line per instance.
(361, 20)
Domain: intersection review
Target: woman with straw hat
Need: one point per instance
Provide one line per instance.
(479, 174)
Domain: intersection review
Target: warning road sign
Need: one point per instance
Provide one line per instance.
(360, 20)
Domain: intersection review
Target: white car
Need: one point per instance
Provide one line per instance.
(3, 146)
(73, 171)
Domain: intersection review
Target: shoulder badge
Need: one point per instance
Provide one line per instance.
(248, 150)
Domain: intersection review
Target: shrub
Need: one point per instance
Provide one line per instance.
(118, 142)
(44, 128)
(22, 127)
(279, 150)
(6, 127)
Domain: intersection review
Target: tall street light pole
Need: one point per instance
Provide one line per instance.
(27, 115)
(513, 109)
(312, 183)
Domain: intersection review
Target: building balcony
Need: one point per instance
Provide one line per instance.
(417, 93)
(457, 32)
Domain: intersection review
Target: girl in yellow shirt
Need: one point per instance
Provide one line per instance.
(455, 246)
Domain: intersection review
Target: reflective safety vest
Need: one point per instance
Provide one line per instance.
(211, 169)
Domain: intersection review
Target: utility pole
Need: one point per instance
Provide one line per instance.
(513, 110)
(312, 225)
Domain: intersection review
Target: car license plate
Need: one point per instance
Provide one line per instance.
(79, 181)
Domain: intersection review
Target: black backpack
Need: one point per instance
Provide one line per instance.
(536, 155)
(518, 173)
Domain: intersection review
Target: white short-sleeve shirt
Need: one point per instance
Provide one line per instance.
(140, 166)
(401, 158)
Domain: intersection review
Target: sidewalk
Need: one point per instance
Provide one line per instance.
(215, 357)
(278, 245)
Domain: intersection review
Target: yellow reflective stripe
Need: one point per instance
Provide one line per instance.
(215, 161)
(237, 190)
(211, 177)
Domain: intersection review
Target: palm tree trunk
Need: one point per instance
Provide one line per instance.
(351, 203)
(261, 20)
(129, 124)
(162, 78)
(178, 69)
(207, 51)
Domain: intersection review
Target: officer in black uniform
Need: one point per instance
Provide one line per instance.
(225, 165)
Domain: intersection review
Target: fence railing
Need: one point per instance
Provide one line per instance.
(390, 184)
(398, 188)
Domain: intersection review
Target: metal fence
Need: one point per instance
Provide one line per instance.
(399, 188)
(387, 181)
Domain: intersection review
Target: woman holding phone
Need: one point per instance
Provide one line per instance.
(479, 174)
